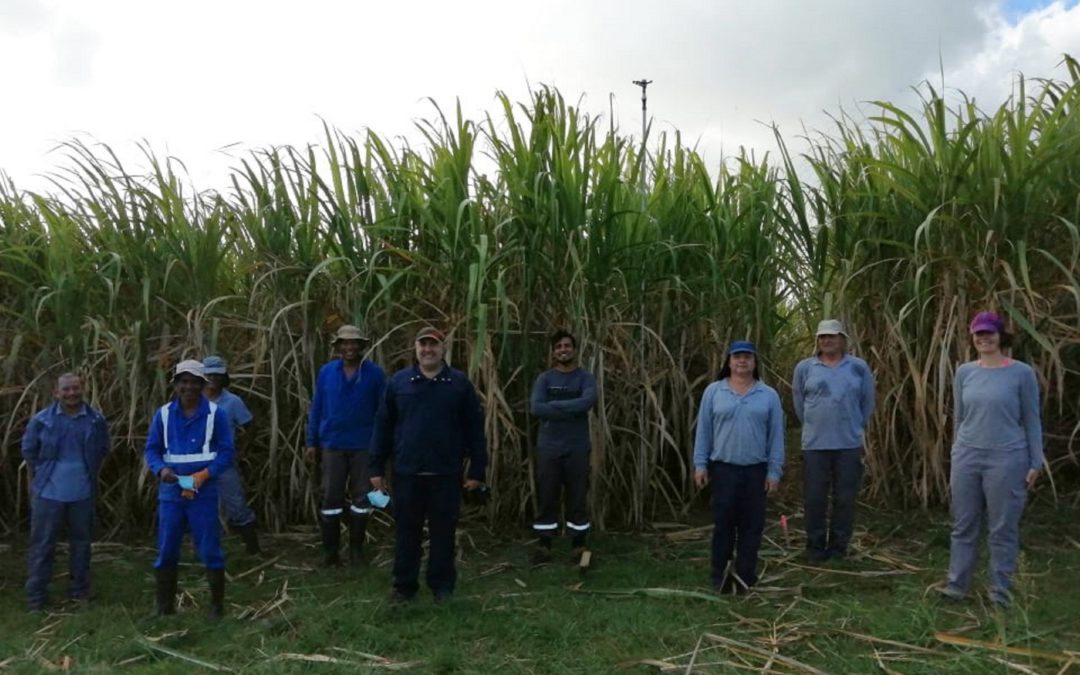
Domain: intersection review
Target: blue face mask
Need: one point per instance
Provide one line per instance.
(186, 482)
(378, 499)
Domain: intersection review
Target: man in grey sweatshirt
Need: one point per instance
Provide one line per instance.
(561, 399)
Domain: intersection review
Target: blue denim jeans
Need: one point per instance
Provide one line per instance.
(47, 519)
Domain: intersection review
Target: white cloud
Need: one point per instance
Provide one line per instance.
(198, 76)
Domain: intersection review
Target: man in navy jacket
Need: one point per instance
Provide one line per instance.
(347, 393)
(430, 421)
(63, 446)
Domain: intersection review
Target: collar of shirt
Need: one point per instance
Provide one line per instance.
(442, 376)
(202, 411)
(819, 362)
(725, 384)
(58, 409)
(341, 369)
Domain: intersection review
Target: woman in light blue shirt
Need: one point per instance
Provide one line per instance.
(739, 449)
(997, 456)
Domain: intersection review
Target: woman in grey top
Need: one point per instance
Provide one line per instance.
(997, 456)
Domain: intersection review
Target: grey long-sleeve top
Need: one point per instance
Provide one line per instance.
(562, 402)
(998, 409)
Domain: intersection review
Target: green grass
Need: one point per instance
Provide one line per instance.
(510, 617)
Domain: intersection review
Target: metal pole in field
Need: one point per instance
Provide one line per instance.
(644, 84)
(643, 465)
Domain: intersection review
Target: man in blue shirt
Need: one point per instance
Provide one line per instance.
(834, 398)
(343, 407)
(63, 446)
(239, 515)
(430, 421)
(561, 399)
(190, 444)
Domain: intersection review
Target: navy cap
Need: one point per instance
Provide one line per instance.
(742, 347)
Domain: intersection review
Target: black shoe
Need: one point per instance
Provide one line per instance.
(400, 598)
(216, 578)
(541, 555)
(443, 597)
(250, 538)
(817, 555)
(165, 591)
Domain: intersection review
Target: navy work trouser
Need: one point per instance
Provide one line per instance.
(436, 500)
(835, 473)
(47, 518)
(738, 506)
(558, 470)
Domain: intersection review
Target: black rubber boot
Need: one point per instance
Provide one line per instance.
(331, 540)
(357, 532)
(217, 593)
(250, 537)
(166, 591)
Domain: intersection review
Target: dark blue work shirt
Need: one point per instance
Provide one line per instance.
(429, 425)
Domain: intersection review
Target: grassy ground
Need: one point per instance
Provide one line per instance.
(645, 606)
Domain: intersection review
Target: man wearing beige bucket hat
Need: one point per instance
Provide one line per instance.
(343, 406)
(834, 395)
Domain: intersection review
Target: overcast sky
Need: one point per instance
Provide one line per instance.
(198, 76)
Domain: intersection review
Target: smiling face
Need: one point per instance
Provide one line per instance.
(188, 389)
(429, 353)
(564, 352)
(987, 342)
(742, 364)
(349, 350)
(69, 392)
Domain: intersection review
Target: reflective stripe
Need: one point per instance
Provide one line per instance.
(579, 528)
(331, 512)
(360, 510)
(545, 526)
(206, 455)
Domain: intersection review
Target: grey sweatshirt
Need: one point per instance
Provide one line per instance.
(998, 409)
(562, 402)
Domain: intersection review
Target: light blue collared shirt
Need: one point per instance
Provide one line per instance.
(834, 403)
(747, 429)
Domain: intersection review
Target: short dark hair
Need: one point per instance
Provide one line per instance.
(561, 334)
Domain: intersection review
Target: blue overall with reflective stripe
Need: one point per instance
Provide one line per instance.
(188, 445)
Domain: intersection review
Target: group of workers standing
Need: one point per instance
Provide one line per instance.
(426, 420)
(997, 454)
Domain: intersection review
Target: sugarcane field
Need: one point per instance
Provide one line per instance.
(543, 393)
